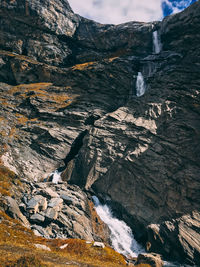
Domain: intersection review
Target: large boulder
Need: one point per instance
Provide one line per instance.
(12, 208)
(153, 260)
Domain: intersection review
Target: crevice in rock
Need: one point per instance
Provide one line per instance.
(71, 59)
(75, 148)
(91, 120)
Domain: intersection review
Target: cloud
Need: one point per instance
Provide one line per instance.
(118, 11)
(175, 6)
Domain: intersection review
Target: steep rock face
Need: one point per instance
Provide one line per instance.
(97, 41)
(50, 21)
(63, 38)
(142, 152)
(182, 233)
(47, 119)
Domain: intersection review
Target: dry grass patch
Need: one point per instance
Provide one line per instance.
(20, 57)
(79, 249)
(112, 58)
(83, 66)
(27, 261)
(143, 265)
(17, 241)
(7, 178)
(54, 99)
(25, 88)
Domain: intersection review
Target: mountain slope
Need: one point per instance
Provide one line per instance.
(68, 100)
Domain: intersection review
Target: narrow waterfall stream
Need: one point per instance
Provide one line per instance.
(121, 235)
(140, 85)
(157, 46)
(140, 82)
(56, 176)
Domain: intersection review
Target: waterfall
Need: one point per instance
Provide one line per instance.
(121, 235)
(157, 46)
(56, 176)
(140, 85)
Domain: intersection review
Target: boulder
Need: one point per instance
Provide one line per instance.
(154, 260)
(51, 214)
(12, 208)
(64, 246)
(49, 193)
(37, 203)
(56, 204)
(37, 218)
(64, 220)
(33, 205)
(98, 245)
(39, 230)
(68, 200)
(44, 247)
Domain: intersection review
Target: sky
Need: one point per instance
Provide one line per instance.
(120, 11)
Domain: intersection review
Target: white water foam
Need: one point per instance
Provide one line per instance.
(56, 176)
(140, 85)
(121, 235)
(157, 46)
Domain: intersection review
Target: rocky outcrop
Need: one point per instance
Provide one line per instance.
(11, 207)
(62, 38)
(178, 238)
(59, 211)
(60, 111)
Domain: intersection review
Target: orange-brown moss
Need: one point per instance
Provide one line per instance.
(142, 265)
(16, 240)
(3, 133)
(20, 57)
(57, 100)
(22, 119)
(12, 132)
(83, 66)
(36, 87)
(80, 249)
(112, 58)
(7, 178)
(3, 102)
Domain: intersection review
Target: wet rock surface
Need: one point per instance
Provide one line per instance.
(68, 102)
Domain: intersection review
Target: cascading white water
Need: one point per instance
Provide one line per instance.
(56, 176)
(140, 85)
(121, 235)
(157, 46)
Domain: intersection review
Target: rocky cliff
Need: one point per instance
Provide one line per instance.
(68, 102)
